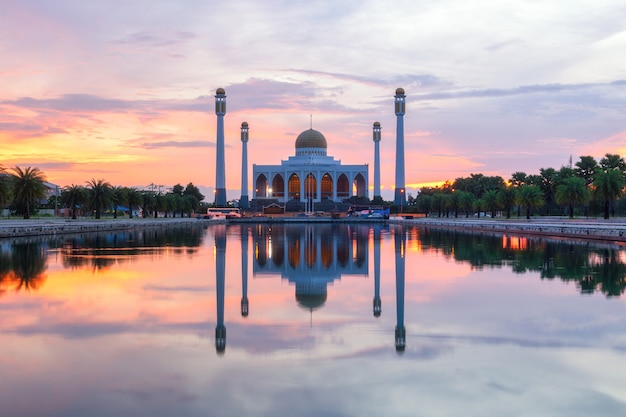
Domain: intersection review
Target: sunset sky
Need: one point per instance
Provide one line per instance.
(124, 90)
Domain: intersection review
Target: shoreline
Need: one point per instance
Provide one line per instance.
(612, 230)
(13, 228)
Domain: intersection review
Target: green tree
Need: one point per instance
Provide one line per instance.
(5, 189)
(506, 199)
(73, 196)
(490, 198)
(117, 197)
(465, 201)
(573, 192)
(548, 180)
(586, 168)
(99, 196)
(608, 185)
(28, 188)
(149, 203)
(133, 199)
(518, 178)
(529, 196)
(613, 161)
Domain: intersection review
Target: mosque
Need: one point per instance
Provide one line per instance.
(310, 176)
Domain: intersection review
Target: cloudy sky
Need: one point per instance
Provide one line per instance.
(124, 90)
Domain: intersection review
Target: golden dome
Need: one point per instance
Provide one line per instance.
(311, 139)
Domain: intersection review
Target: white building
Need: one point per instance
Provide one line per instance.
(310, 175)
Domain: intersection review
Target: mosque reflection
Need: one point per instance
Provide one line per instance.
(311, 258)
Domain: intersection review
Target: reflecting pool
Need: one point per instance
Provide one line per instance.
(311, 320)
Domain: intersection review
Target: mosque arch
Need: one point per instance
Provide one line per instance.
(310, 253)
(293, 252)
(310, 186)
(359, 185)
(260, 186)
(327, 252)
(327, 186)
(278, 186)
(343, 186)
(294, 187)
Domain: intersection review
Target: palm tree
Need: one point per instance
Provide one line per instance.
(506, 199)
(5, 188)
(608, 186)
(529, 196)
(73, 196)
(99, 195)
(133, 199)
(572, 191)
(28, 188)
(465, 201)
(118, 196)
(586, 168)
(490, 199)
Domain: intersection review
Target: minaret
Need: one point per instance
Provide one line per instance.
(377, 161)
(399, 247)
(243, 202)
(244, 272)
(377, 301)
(220, 169)
(400, 108)
(220, 278)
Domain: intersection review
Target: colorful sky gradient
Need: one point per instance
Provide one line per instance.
(124, 90)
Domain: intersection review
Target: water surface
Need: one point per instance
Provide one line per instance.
(332, 320)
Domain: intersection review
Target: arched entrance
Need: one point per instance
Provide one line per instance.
(260, 186)
(359, 185)
(310, 187)
(294, 187)
(327, 186)
(343, 187)
(278, 186)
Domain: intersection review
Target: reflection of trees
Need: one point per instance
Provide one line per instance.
(26, 266)
(5, 270)
(590, 267)
(102, 250)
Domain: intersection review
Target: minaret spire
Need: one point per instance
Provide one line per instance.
(376, 134)
(400, 108)
(220, 169)
(243, 201)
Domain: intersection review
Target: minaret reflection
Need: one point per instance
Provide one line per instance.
(399, 248)
(244, 271)
(377, 301)
(220, 272)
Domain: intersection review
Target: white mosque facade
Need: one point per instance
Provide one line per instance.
(310, 175)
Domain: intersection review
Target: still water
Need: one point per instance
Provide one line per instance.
(325, 320)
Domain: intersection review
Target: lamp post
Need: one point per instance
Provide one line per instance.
(401, 199)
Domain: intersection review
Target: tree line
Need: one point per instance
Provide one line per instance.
(23, 191)
(588, 187)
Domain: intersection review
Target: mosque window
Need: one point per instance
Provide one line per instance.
(327, 186)
(294, 187)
